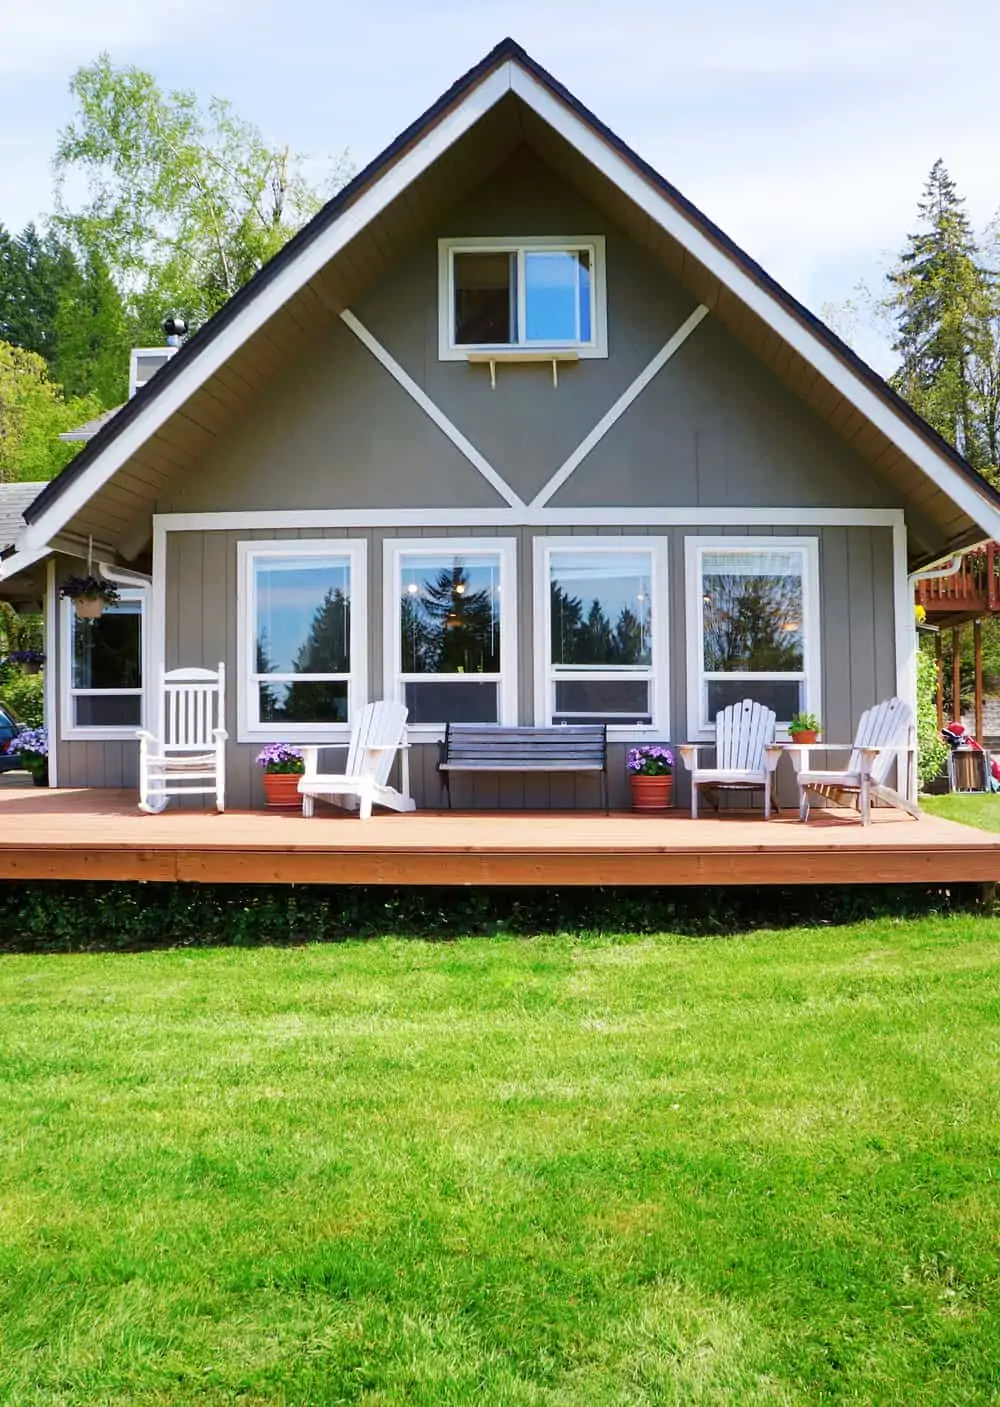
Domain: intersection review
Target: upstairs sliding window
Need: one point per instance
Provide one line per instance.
(522, 295)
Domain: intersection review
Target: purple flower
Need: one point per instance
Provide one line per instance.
(25, 657)
(34, 741)
(89, 588)
(650, 760)
(280, 757)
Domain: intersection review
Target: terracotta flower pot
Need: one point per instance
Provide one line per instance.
(805, 738)
(88, 607)
(651, 793)
(281, 790)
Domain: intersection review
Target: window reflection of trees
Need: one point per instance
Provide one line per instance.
(326, 649)
(752, 623)
(448, 625)
(590, 638)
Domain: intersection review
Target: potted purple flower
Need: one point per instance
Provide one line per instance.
(282, 767)
(30, 661)
(32, 746)
(651, 777)
(89, 594)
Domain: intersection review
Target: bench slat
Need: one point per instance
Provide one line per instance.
(470, 747)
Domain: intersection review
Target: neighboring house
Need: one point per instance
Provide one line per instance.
(512, 432)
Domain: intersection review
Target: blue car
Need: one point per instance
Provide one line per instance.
(9, 729)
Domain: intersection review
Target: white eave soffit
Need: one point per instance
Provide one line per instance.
(508, 76)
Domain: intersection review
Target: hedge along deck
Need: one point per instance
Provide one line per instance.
(100, 835)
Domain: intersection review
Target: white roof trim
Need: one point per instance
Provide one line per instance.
(511, 76)
(21, 560)
(272, 297)
(579, 135)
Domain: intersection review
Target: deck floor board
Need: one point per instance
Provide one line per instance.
(90, 834)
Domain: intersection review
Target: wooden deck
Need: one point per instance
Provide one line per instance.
(64, 834)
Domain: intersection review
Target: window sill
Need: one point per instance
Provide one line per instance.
(333, 735)
(100, 735)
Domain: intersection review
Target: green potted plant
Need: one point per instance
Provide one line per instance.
(89, 594)
(282, 767)
(804, 728)
(651, 777)
(32, 746)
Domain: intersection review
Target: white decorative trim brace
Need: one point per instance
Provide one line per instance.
(434, 412)
(50, 692)
(619, 408)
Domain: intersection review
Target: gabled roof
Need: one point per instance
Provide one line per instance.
(713, 261)
(89, 428)
(14, 499)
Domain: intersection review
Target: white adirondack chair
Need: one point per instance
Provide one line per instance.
(377, 736)
(743, 733)
(885, 735)
(191, 759)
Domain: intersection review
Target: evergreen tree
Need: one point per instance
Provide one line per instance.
(944, 303)
(67, 311)
(325, 650)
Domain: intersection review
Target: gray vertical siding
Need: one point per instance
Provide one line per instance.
(87, 764)
(858, 659)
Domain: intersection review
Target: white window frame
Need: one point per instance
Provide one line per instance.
(699, 724)
(505, 548)
(69, 729)
(596, 346)
(658, 672)
(249, 728)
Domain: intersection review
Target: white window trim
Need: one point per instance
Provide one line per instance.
(68, 728)
(448, 350)
(248, 727)
(699, 725)
(394, 549)
(659, 676)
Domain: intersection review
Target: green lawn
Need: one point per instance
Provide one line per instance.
(759, 1170)
(982, 810)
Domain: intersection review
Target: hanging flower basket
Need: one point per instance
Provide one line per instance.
(282, 767)
(650, 777)
(30, 661)
(90, 595)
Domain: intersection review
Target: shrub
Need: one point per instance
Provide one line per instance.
(23, 694)
(931, 749)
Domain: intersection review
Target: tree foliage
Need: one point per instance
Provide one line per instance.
(33, 413)
(67, 310)
(946, 308)
(186, 201)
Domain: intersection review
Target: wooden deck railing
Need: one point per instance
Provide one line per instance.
(975, 587)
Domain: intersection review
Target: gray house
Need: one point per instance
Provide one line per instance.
(511, 432)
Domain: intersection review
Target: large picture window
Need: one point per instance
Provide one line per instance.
(601, 648)
(531, 294)
(450, 639)
(754, 625)
(302, 633)
(103, 669)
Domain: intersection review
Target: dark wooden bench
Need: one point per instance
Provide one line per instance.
(489, 747)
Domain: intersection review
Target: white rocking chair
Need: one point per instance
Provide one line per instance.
(743, 733)
(191, 760)
(377, 736)
(884, 735)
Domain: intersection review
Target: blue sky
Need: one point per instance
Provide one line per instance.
(806, 131)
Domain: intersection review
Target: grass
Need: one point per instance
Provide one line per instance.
(519, 1173)
(974, 809)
